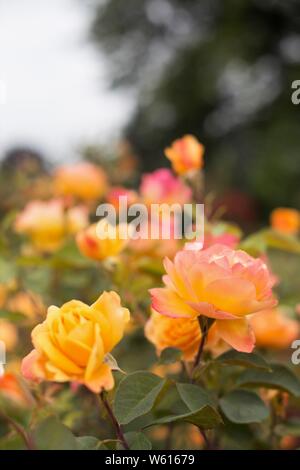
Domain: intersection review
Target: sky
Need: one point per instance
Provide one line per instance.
(53, 84)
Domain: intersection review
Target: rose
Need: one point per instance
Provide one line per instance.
(161, 186)
(285, 220)
(180, 333)
(274, 329)
(219, 283)
(82, 180)
(47, 223)
(115, 193)
(71, 344)
(99, 248)
(185, 154)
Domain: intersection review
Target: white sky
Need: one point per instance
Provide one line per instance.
(52, 83)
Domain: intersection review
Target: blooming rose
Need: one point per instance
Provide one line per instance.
(219, 283)
(113, 196)
(82, 180)
(273, 329)
(180, 333)
(8, 334)
(91, 245)
(71, 344)
(47, 223)
(185, 154)
(162, 186)
(285, 220)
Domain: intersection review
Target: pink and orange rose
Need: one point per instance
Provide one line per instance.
(219, 283)
(162, 186)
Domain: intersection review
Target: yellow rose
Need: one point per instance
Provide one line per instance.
(48, 223)
(71, 344)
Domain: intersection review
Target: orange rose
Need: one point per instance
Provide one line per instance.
(92, 246)
(82, 180)
(185, 154)
(218, 283)
(180, 333)
(286, 220)
(72, 343)
(273, 329)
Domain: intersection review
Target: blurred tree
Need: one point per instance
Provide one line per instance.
(221, 69)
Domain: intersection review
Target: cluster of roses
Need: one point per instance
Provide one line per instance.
(219, 282)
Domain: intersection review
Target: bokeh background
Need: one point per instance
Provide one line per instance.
(79, 76)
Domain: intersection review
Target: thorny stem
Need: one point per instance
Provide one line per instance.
(26, 438)
(116, 425)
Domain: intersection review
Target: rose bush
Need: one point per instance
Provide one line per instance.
(205, 358)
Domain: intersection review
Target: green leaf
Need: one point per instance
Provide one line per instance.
(12, 441)
(138, 441)
(151, 266)
(233, 357)
(170, 355)
(20, 414)
(88, 443)
(281, 241)
(69, 255)
(199, 407)
(136, 395)
(269, 238)
(242, 406)
(280, 377)
(108, 444)
(193, 396)
(205, 418)
(51, 434)
(12, 316)
(7, 270)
